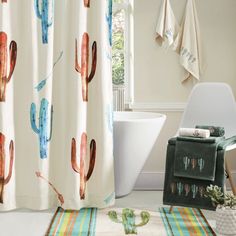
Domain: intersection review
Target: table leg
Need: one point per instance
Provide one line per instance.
(231, 180)
(171, 209)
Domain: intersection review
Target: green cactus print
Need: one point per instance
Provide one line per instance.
(201, 164)
(128, 220)
(180, 188)
(186, 162)
(194, 189)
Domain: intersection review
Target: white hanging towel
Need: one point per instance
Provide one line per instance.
(167, 26)
(188, 43)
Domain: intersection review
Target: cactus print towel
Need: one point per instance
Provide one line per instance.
(118, 222)
(189, 192)
(56, 141)
(196, 157)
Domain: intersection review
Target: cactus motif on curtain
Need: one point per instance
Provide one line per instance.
(44, 17)
(4, 76)
(82, 168)
(3, 180)
(87, 3)
(109, 21)
(110, 117)
(42, 129)
(59, 195)
(84, 66)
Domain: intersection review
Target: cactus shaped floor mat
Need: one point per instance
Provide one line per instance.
(126, 221)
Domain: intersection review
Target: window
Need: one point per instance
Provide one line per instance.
(120, 47)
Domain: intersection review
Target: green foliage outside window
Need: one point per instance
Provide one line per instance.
(118, 57)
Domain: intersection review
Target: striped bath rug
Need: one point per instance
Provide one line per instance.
(185, 221)
(126, 221)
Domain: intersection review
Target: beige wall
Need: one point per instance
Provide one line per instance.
(157, 73)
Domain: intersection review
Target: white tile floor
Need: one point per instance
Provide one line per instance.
(34, 223)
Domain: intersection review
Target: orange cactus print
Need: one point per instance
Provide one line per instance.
(82, 168)
(3, 180)
(4, 78)
(83, 68)
(87, 3)
(193, 163)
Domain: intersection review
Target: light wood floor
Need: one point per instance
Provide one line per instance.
(34, 223)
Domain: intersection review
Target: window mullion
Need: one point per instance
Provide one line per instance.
(121, 71)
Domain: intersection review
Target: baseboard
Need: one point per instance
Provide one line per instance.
(160, 106)
(155, 181)
(150, 181)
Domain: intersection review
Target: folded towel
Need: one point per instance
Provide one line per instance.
(201, 140)
(191, 132)
(227, 142)
(215, 131)
(196, 159)
(188, 43)
(189, 192)
(167, 27)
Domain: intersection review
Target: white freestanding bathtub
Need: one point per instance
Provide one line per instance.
(135, 133)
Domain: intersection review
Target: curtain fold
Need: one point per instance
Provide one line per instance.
(56, 140)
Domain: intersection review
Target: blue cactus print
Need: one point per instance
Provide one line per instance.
(44, 17)
(110, 198)
(109, 20)
(110, 117)
(42, 130)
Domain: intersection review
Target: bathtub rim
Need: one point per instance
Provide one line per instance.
(154, 116)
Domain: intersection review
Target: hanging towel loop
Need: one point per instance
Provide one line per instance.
(167, 26)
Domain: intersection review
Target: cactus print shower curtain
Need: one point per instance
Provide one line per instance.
(56, 142)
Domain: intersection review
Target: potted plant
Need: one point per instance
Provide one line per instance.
(225, 210)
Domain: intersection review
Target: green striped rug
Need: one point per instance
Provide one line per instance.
(71, 222)
(185, 222)
(93, 222)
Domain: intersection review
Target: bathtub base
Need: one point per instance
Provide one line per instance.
(135, 134)
(121, 196)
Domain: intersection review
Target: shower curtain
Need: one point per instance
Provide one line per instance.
(56, 142)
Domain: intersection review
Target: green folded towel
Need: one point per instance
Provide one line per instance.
(189, 192)
(215, 131)
(196, 158)
(227, 142)
(201, 140)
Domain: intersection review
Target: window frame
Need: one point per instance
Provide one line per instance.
(126, 6)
